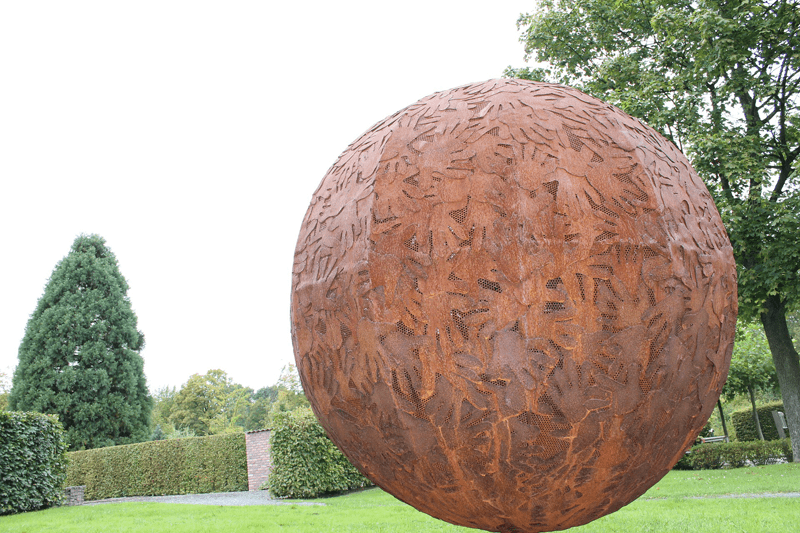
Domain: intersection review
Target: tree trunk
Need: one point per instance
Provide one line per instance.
(722, 418)
(756, 421)
(787, 366)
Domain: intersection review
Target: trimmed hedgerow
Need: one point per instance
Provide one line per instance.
(736, 454)
(305, 462)
(195, 465)
(745, 426)
(33, 461)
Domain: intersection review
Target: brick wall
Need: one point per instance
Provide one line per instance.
(259, 463)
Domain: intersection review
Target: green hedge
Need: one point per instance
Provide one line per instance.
(736, 454)
(33, 462)
(745, 427)
(194, 465)
(305, 463)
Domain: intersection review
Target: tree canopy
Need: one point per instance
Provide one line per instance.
(200, 401)
(80, 355)
(752, 367)
(290, 393)
(4, 387)
(721, 79)
(163, 401)
(213, 403)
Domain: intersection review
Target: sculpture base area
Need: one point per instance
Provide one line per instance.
(513, 306)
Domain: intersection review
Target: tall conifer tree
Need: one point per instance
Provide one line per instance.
(80, 357)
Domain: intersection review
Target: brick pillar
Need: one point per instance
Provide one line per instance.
(74, 495)
(259, 463)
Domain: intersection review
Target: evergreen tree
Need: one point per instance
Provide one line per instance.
(80, 358)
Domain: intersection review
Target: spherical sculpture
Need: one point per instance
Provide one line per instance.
(513, 306)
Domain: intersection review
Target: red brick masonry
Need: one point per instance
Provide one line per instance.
(259, 463)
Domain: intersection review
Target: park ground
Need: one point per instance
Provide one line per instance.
(754, 499)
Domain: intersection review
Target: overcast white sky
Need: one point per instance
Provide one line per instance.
(191, 135)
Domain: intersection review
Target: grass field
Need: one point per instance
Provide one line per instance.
(670, 506)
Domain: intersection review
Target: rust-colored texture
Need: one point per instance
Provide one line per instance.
(513, 306)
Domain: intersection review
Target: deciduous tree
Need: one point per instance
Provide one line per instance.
(197, 402)
(4, 388)
(213, 403)
(290, 393)
(163, 401)
(258, 412)
(752, 367)
(721, 78)
(210, 404)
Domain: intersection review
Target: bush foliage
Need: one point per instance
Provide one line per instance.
(305, 462)
(745, 426)
(33, 462)
(180, 466)
(736, 454)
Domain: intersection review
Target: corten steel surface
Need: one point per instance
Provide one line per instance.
(513, 306)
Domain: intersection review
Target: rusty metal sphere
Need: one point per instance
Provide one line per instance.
(513, 306)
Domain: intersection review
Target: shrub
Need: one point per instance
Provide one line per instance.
(746, 428)
(305, 463)
(179, 466)
(736, 454)
(33, 462)
(709, 456)
(683, 463)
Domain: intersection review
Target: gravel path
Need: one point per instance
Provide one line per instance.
(256, 497)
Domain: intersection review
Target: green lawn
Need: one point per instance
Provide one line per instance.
(668, 506)
(751, 480)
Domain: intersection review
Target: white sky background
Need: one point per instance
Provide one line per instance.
(191, 136)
